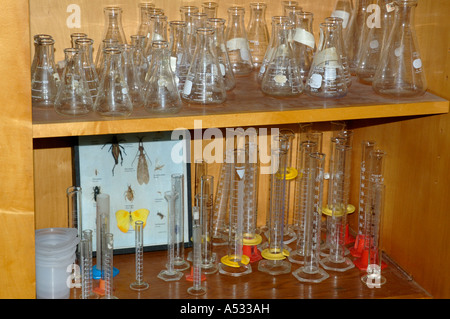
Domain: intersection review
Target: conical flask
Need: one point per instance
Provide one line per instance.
(285, 4)
(326, 77)
(73, 96)
(85, 46)
(146, 27)
(100, 59)
(376, 37)
(237, 42)
(194, 20)
(204, 83)
(161, 93)
(218, 25)
(400, 72)
(210, 8)
(113, 99)
(75, 36)
(45, 79)
(304, 44)
(341, 48)
(131, 75)
(158, 32)
(113, 24)
(276, 20)
(186, 13)
(140, 61)
(258, 34)
(180, 58)
(36, 39)
(143, 17)
(282, 77)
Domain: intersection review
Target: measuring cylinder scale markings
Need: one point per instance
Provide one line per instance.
(235, 263)
(139, 284)
(196, 289)
(86, 266)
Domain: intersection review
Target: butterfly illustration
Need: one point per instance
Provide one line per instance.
(125, 219)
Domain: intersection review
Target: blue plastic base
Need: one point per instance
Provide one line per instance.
(97, 273)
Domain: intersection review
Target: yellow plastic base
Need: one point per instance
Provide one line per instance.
(291, 173)
(280, 255)
(228, 260)
(252, 242)
(327, 211)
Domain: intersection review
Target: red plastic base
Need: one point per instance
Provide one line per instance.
(358, 248)
(252, 252)
(362, 261)
(190, 277)
(349, 239)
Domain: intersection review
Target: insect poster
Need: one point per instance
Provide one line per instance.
(135, 170)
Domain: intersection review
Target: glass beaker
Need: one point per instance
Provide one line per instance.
(161, 91)
(180, 58)
(400, 72)
(326, 77)
(113, 99)
(303, 42)
(210, 8)
(218, 25)
(258, 34)
(85, 46)
(204, 83)
(281, 77)
(237, 42)
(45, 79)
(74, 97)
(131, 75)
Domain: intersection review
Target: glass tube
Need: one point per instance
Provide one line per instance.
(310, 271)
(170, 274)
(86, 266)
(235, 263)
(197, 289)
(107, 262)
(139, 284)
(337, 205)
(74, 195)
(274, 262)
(102, 222)
(177, 182)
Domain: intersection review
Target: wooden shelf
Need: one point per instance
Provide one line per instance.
(257, 285)
(246, 105)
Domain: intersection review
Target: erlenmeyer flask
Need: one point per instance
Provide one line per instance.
(237, 42)
(276, 20)
(304, 44)
(85, 46)
(180, 58)
(140, 61)
(376, 37)
(73, 96)
(158, 32)
(36, 39)
(186, 11)
(326, 77)
(400, 72)
(45, 79)
(75, 36)
(131, 75)
(143, 17)
(146, 27)
(100, 59)
(194, 20)
(161, 93)
(258, 34)
(210, 8)
(338, 21)
(285, 4)
(282, 77)
(113, 99)
(218, 25)
(113, 24)
(204, 83)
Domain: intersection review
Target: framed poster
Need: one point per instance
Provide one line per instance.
(135, 171)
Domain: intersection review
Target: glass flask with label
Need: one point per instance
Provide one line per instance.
(282, 77)
(180, 58)
(158, 32)
(204, 83)
(326, 77)
(100, 59)
(73, 96)
(304, 44)
(237, 42)
(258, 34)
(400, 72)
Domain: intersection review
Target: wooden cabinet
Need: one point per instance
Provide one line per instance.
(35, 149)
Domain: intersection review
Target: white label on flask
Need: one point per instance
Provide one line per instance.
(374, 44)
(417, 63)
(222, 69)
(344, 15)
(330, 74)
(240, 172)
(157, 37)
(399, 51)
(304, 37)
(124, 91)
(173, 63)
(280, 78)
(187, 87)
(245, 54)
(327, 55)
(315, 81)
(237, 44)
(390, 7)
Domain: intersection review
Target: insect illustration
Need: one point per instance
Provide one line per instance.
(116, 150)
(125, 219)
(158, 166)
(143, 175)
(160, 215)
(129, 194)
(96, 191)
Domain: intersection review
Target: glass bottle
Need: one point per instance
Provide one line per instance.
(161, 93)
(258, 34)
(304, 44)
(140, 61)
(400, 73)
(73, 96)
(85, 46)
(113, 99)
(180, 59)
(376, 37)
(276, 20)
(282, 77)
(218, 25)
(131, 75)
(237, 42)
(326, 77)
(210, 8)
(45, 79)
(338, 21)
(75, 36)
(204, 83)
